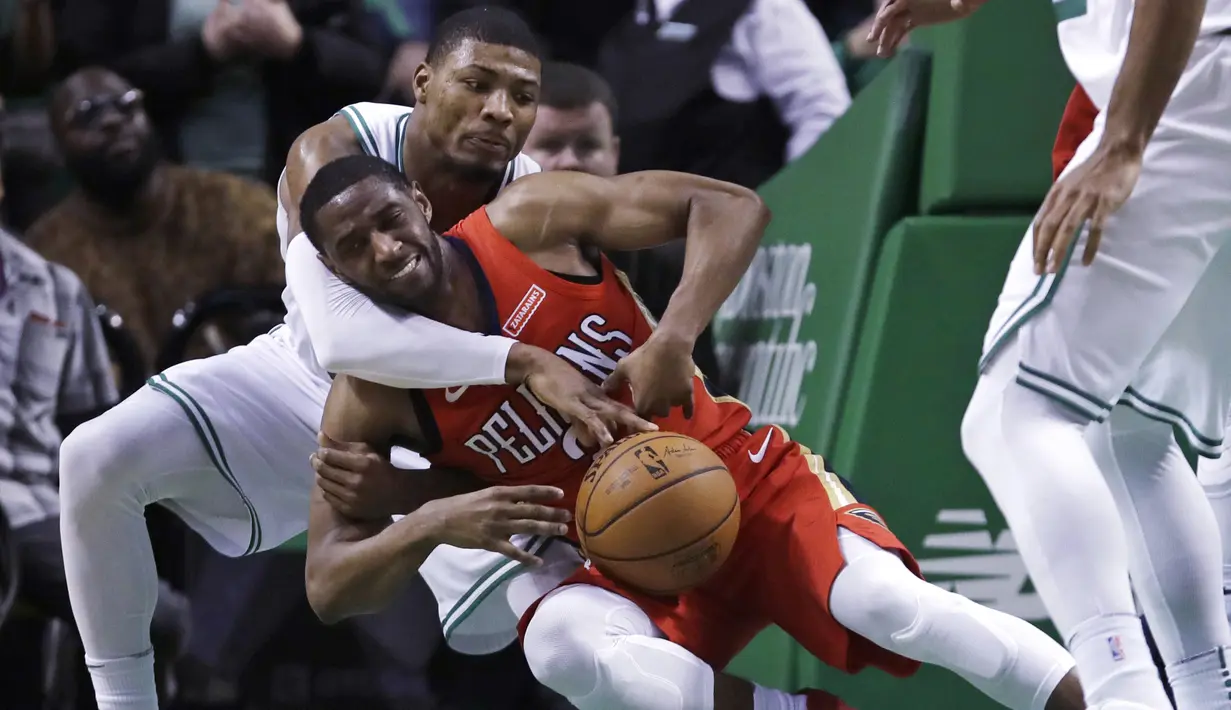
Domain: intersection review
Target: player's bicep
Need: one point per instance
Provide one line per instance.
(358, 411)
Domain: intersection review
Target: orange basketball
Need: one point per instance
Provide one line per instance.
(658, 511)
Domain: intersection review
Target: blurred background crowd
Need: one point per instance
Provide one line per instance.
(140, 143)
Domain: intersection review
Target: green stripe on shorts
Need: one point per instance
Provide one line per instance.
(488, 583)
(213, 447)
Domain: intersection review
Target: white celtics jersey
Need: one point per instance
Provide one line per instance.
(1094, 38)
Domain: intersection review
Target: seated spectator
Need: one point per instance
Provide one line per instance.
(729, 89)
(54, 374)
(146, 236)
(230, 84)
(575, 130)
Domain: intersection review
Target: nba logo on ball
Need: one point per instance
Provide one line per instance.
(652, 462)
(659, 512)
(1116, 648)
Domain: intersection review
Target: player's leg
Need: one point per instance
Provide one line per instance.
(1174, 552)
(223, 443)
(600, 651)
(1066, 526)
(143, 450)
(1008, 659)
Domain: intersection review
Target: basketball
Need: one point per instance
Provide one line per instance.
(658, 511)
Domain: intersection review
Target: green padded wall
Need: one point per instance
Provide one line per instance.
(998, 89)
(793, 320)
(936, 284)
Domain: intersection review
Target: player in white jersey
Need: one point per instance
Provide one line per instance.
(1110, 331)
(225, 442)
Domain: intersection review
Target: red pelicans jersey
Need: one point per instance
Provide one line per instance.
(502, 433)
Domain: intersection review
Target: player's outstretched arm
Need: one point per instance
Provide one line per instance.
(350, 334)
(722, 225)
(357, 565)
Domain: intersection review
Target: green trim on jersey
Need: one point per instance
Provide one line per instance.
(367, 140)
(401, 141)
(213, 446)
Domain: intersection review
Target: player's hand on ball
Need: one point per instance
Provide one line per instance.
(597, 418)
(660, 374)
(1086, 196)
(484, 520)
(357, 481)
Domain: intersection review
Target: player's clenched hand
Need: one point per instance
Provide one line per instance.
(357, 481)
(484, 520)
(596, 417)
(1088, 195)
(660, 374)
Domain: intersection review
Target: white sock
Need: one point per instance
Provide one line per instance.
(1201, 682)
(1114, 662)
(124, 683)
(769, 699)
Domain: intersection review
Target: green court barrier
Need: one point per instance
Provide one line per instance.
(936, 285)
(789, 330)
(998, 89)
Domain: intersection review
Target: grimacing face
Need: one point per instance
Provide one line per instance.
(375, 235)
(581, 139)
(481, 100)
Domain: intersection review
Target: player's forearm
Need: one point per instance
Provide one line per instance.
(724, 230)
(354, 577)
(1159, 45)
(353, 336)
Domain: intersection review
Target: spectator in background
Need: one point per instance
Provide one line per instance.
(146, 236)
(230, 83)
(54, 375)
(27, 51)
(575, 130)
(403, 26)
(729, 89)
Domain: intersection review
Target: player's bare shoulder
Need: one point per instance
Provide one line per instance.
(312, 150)
(544, 210)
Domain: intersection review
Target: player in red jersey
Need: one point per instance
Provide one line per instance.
(809, 557)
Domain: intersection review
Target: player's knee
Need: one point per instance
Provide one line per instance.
(85, 457)
(871, 598)
(561, 648)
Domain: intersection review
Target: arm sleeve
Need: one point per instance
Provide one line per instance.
(793, 63)
(352, 335)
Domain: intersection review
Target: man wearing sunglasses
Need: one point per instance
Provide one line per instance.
(144, 235)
